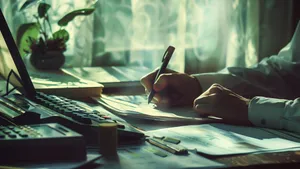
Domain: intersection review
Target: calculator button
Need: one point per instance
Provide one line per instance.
(22, 134)
(16, 130)
(6, 131)
(2, 135)
(121, 126)
(12, 135)
(81, 119)
(106, 117)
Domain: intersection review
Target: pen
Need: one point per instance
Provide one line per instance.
(165, 60)
(174, 149)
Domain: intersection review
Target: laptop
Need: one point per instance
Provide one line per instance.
(80, 118)
(10, 60)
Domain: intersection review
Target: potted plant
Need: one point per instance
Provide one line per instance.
(44, 46)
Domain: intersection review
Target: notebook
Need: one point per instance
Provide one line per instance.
(116, 79)
(57, 83)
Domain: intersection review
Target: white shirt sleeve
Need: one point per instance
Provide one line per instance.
(277, 76)
(275, 113)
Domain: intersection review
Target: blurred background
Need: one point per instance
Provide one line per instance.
(208, 34)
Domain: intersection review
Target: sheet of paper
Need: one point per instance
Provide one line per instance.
(137, 157)
(137, 106)
(221, 139)
(91, 157)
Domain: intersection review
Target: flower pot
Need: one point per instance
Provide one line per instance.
(49, 60)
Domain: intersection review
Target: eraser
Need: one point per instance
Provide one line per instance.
(108, 139)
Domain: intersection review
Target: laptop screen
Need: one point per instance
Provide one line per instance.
(10, 59)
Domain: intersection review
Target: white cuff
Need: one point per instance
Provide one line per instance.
(266, 112)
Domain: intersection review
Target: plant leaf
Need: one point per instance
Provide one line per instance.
(25, 35)
(43, 9)
(62, 34)
(28, 3)
(70, 16)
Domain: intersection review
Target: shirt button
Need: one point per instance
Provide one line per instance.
(263, 121)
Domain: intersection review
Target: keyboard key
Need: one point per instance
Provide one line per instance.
(17, 130)
(106, 117)
(2, 135)
(6, 131)
(23, 134)
(81, 119)
(121, 126)
(12, 135)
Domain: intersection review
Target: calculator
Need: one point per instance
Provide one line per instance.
(40, 143)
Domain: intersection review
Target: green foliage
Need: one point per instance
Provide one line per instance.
(27, 34)
(37, 35)
(70, 16)
(61, 34)
(43, 9)
(28, 3)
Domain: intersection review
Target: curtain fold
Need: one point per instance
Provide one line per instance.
(208, 34)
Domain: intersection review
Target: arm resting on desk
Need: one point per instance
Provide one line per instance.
(275, 113)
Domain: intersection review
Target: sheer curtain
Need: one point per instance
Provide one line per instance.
(208, 34)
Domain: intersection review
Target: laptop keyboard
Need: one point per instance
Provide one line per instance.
(84, 117)
(70, 108)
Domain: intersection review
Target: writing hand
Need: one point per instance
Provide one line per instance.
(221, 102)
(172, 88)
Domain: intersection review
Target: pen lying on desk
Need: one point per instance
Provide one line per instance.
(172, 148)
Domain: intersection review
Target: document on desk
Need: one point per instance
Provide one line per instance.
(222, 139)
(91, 157)
(144, 157)
(136, 106)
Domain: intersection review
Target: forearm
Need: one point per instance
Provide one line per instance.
(275, 113)
(232, 82)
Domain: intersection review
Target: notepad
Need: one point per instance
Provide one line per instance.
(111, 76)
(221, 139)
(63, 84)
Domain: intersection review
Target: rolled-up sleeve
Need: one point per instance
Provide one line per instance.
(275, 113)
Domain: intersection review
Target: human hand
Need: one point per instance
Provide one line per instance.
(221, 102)
(172, 88)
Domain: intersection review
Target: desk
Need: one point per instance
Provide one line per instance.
(267, 158)
(250, 160)
(233, 161)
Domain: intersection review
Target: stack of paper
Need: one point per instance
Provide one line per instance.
(111, 76)
(63, 84)
(221, 139)
(137, 107)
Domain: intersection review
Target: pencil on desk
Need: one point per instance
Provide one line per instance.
(160, 145)
(174, 149)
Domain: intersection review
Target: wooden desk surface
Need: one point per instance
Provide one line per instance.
(286, 158)
(283, 160)
(257, 159)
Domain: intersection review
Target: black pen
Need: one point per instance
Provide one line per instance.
(165, 61)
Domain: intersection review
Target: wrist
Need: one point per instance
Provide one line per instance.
(198, 88)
